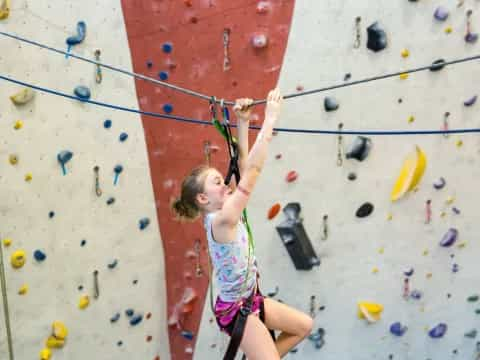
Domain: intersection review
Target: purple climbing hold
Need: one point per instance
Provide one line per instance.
(441, 13)
(149, 64)
(471, 38)
(439, 184)
(470, 101)
(438, 331)
(416, 294)
(456, 210)
(398, 329)
(449, 238)
(409, 272)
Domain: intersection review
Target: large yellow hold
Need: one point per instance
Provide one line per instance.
(4, 9)
(18, 259)
(59, 330)
(412, 171)
(45, 354)
(369, 311)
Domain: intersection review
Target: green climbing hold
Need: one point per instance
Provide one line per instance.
(473, 298)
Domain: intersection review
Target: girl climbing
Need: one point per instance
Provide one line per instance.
(240, 309)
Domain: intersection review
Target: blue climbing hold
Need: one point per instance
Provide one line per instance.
(83, 242)
(409, 272)
(51, 214)
(82, 92)
(167, 108)
(39, 255)
(123, 136)
(107, 124)
(398, 329)
(187, 334)
(167, 47)
(115, 318)
(136, 320)
(81, 31)
(143, 223)
(163, 75)
(416, 294)
(63, 157)
(438, 331)
(129, 312)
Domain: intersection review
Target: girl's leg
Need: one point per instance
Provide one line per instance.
(257, 344)
(295, 325)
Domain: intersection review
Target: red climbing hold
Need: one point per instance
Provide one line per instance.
(300, 88)
(292, 176)
(188, 3)
(149, 338)
(274, 210)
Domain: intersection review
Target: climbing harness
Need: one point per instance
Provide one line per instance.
(233, 170)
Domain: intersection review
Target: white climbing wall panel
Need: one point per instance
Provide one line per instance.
(50, 125)
(364, 259)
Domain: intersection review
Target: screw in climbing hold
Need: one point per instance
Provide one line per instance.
(339, 146)
(98, 71)
(198, 268)
(96, 170)
(96, 289)
(325, 228)
(358, 32)
(117, 169)
(428, 211)
(445, 123)
(226, 43)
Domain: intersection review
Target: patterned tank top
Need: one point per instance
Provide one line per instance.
(230, 263)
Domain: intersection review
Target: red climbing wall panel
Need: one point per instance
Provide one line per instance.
(195, 29)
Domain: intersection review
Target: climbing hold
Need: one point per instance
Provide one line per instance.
(405, 53)
(359, 149)
(149, 64)
(51, 214)
(143, 223)
(149, 338)
(456, 210)
(449, 238)
(317, 338)
(167, 108)
(59, 330)
(77, 39)
(18, 125)
(409, 272)
(374, 270)
(45, 354)
(439, 184)
(13, 159)
(117, 169)
(23, 96)
(259, 41)
(470, 101)
(389, 216)
(473, 298)
(403, 76)
(347, 77)
(83, 242)
(163, 75)
(330, 104)
(455, 268)
(352, 176)
(411, 119)
(23, 290)
(28, 177)
(292, 176)
(18, 259)
(119, 343)
(84, 302)
(398, 329)
(7, 242)
(187, 334)
(136, 320)
(54, 343)
(381, 250)
(4, 9)
(123, 136)
(274, 210)
(113, 264)
(369, 311)
(416, 294)
(39, 255)
(441, 13)
(410, 175)
(263, 7)
(364, 210)
(448, 30)
(437, 65)
(110, 201)
(471, 38)
(167, 47)
(149, 315)
(107, 124)
(63, 157)
(129, 312)
(438, 331)
(115, 317)
(377, 37)
(450, 200)
(472, 334)
(278, 156)
(82, 92)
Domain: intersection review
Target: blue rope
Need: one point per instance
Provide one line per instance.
(203, 122)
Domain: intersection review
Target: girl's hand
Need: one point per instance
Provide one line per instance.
(274, 103)
(243, 109)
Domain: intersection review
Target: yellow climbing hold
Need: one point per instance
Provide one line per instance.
(54, 343)
(404, 76)
(425, 252)
(429, 275)
(59, 330)
(381, 250)
(23, 96)
(28, 177)
(7, 242)
(375, 270)
(369, 311)
(84, 302)
(18, 259)
(45, 354)
(448, 30)
(18, 125)
(450, 200)
(411, 119)
(13, 159)
(405, 53)
(4, 9)
(390, 217)
(459, 143)
(443, 214)
(412, 171)
(462, 245)
(23, 290)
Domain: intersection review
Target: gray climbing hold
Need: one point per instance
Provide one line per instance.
(359, 149)
(330, 104)
(82, 92)
(470, 101)
(115, 317)
(377, 37)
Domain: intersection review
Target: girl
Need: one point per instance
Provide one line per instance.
(204, 193)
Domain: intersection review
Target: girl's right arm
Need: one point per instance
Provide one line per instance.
(233, 207)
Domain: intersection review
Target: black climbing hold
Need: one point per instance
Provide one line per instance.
(330, 104)
(400, 100)
(39, 255)
(115, 317)
(294, 350)
(347, 77)
(123, 136)
(143, 223)
(83, 242)
(51, 214)
(110, 201)
(120, 343)
(80, 288)
(136, 320)
(437, 65)
(129, 312)
(359, 149)
(135, 282)
(364, 210)
(149, 64)
(321, 308)
(352, 176)
(107, 124)
(377, 37)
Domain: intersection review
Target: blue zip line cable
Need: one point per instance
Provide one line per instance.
(203, 122)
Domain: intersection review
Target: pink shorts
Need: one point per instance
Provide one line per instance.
(226, 312)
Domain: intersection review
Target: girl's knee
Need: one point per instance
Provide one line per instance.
(305, 326)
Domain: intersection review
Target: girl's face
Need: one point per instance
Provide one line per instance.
(215, 191)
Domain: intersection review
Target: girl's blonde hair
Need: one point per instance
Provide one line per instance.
(186, 207)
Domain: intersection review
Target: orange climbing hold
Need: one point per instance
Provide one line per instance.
(292, 176)
(273, 211)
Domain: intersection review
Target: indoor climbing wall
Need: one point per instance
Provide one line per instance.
(82, 249)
